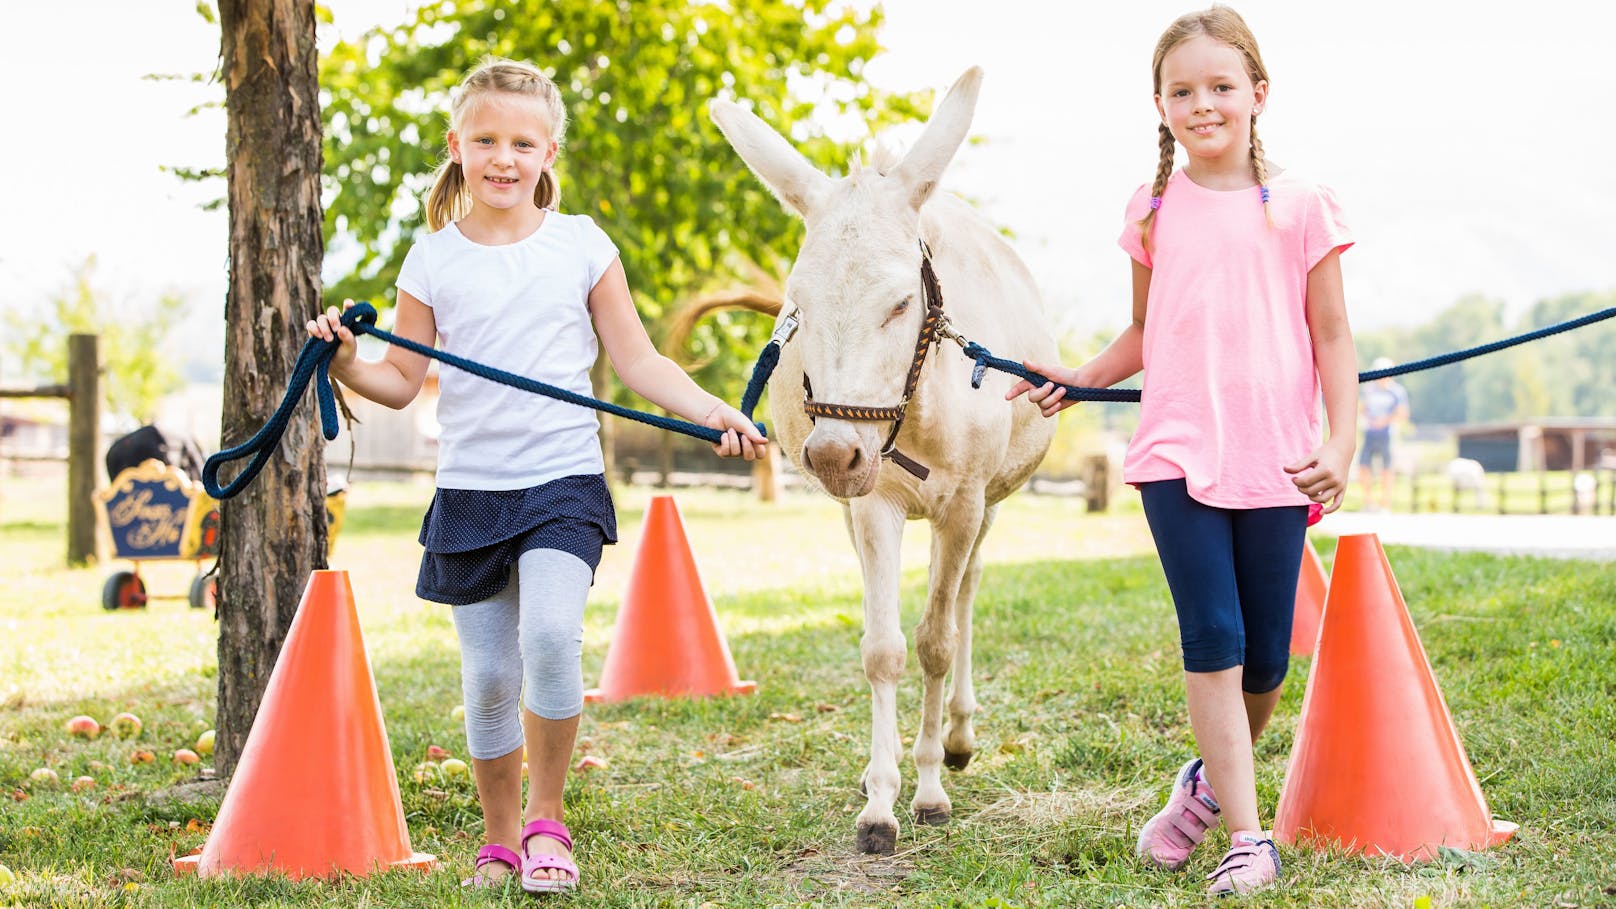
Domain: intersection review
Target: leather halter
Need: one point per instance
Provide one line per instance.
(930, 324)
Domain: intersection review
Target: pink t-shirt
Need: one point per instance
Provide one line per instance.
(1231, 391)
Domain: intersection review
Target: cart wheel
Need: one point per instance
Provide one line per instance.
(123, 590)
(204, 591)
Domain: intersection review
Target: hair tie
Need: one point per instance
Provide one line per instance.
(1264, 189)
(1155, 201)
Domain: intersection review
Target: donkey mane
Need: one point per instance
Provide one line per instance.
(883, 158)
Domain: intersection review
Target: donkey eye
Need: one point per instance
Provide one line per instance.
(896, 311)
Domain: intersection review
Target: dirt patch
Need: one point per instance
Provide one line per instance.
(815, 872)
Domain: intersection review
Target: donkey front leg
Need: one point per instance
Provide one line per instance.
(960, 742)
(954, 537)
(877, 529)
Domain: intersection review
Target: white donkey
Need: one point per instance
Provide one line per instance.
(857, 297)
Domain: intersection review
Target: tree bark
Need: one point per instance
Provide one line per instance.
(274, 533)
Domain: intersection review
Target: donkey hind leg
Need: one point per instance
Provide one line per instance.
(877, 529)
(960, 742)
(954, 537)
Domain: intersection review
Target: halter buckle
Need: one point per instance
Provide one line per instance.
(784, 331)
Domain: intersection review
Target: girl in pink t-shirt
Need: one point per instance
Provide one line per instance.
(1237, 266)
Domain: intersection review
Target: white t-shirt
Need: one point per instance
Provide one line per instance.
(524, 308)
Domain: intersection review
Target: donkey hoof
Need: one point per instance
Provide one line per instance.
(931, 817)
(878, 839)
(956, 760)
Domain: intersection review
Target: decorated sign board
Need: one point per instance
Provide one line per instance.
(154, 511)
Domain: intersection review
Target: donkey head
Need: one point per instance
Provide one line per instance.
(856, 281)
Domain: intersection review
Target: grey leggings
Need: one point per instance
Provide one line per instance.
(531, 631)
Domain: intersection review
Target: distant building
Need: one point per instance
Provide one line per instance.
(33, 438)
(1549, 443)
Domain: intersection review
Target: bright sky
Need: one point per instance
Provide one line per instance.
(1469, 143)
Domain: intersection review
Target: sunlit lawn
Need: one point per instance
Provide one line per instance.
(750, 801)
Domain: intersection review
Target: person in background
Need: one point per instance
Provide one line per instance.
(1383, 404)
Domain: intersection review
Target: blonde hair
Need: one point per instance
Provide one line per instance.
(450, 197)
(1224, 25)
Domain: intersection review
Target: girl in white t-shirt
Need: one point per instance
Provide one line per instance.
(522, 510)
(1238, 268)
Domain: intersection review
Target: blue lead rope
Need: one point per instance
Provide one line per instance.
(986, 360)
(314, 361)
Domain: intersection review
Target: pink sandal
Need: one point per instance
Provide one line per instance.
(557, 831)
(493, 852)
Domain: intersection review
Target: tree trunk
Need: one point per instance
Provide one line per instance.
(274, 533)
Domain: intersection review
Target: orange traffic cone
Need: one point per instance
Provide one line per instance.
(667, 640)
(1377, 765)
(314, 792)
(1311, 587)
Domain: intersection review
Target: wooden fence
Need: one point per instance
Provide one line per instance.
(83, 394)
(1590, 492)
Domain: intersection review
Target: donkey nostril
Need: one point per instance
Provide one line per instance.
(855, 460)
(807, 459)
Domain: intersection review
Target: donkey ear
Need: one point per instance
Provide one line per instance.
(925, 163)
(796, 183)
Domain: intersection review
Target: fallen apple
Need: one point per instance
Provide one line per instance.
(85, 727)
(458, 714)
(45, 775)
(204, 743)
(187, 756)
(454, 767)
(435, 753)
(426, 771)
(126, 726)
(142, 757)
(83, 783)
(6, 877)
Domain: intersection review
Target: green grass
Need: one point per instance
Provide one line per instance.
(750, 801)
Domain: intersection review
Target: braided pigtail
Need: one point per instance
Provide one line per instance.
(1164, 170)
(1259, 167)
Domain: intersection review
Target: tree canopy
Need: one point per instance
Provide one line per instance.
(1570, 375)
(139, 372)
(640, 156)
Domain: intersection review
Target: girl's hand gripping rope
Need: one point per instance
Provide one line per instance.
(741, 437)
(328, 327)
(1050, 397)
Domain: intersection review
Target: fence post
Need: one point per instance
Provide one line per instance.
(83, 447)
(1097, 493)
(766, 473)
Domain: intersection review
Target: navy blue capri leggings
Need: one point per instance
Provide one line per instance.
(1233, 574)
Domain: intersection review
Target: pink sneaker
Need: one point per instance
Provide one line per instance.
(1167, 839)
(1252, 864)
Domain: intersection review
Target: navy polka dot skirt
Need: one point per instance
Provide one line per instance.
(473, 536)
